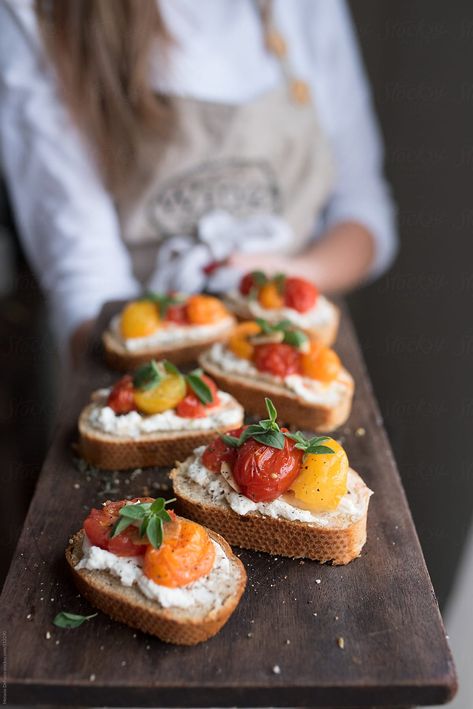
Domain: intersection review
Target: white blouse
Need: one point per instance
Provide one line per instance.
(67, 220)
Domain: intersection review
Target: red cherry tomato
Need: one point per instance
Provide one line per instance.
(262, 472)
(278, 359)
(299, 294)
(247, 283)
(191, 406)
(98, 526)
(219, 452)
(177, 314)
(121, 399)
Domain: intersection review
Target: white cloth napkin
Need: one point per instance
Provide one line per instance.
(181, 260)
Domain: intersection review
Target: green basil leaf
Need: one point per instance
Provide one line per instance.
(230, 440)
(132, 511)
(275, 439)
(71, 620)
(279, 281)
(295, 338)
(283, 325)
(120, 525)
(170, 367)
(162, 300)
(154, 531)
(158, 505)
(200, 388)
(147, 376)
(271, 409)
(319, 450)
(259, 278)
(266, 327)
(144, 526)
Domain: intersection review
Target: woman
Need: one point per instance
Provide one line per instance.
(158, 144)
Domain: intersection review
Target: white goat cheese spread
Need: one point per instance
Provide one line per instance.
(321, 314)
(132, 425)
(208, 592)
(310, 390)
(218, 489)
(170, 334)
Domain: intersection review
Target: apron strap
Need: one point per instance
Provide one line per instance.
(277, 45)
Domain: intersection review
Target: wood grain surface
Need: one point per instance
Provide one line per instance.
(282, 645)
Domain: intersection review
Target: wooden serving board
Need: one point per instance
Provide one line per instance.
(282, 645)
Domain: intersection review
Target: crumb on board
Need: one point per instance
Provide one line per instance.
(276, 670)
(92, 678)
(318, 580)
(48, 635)
(341, 643)
(360, 431)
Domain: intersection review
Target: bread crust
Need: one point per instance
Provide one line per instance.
(109, 452)
(279, 537)
(119, 358)
(292, 409)
(326, 334)
(129, 606)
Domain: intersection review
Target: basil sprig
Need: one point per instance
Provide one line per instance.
(162, 300)
(199, 387)
(291, 336)
(71, 620)
(311, 445)
(147, 376)
(259, 280)
(149, 515)
(266, 431)
(279, 281)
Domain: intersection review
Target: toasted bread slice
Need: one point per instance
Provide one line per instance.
(325, 332)
(110, 452)
(118, 357)
(128, 605)
(339, 539)
(293, 409)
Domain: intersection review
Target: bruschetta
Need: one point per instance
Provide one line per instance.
(284, 297)
(267, 489)
(305, 379)
(154, 417)
(178, 327)
(144, 566)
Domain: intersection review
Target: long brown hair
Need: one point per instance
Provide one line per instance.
(101, 53)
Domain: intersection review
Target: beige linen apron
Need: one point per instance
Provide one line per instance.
(268, 156)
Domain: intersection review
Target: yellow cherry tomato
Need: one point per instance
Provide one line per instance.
(322, 482)
(205, 310)
(269, 296)
(238, 342)
(139, 319)
(320, 363)
(165, 395)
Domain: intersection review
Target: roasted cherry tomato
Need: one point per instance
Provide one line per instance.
(165, 395)
(191, 406)
(139, 319)
(177, 314)
(320, 363)
(121, 399)
(322, 481)
(262, 472)
(205, 310)
(278, 359)
(182, 558)
(98, 526)
(218, 452)
(299, 294)
(247, 283)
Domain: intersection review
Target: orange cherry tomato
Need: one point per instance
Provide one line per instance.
(139, 319)
(269, 296)
(238, 342)
(320, 363)
(181, 558)
(205, 310)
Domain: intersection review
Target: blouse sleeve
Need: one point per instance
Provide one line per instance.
(67, 221)
(361, 192)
